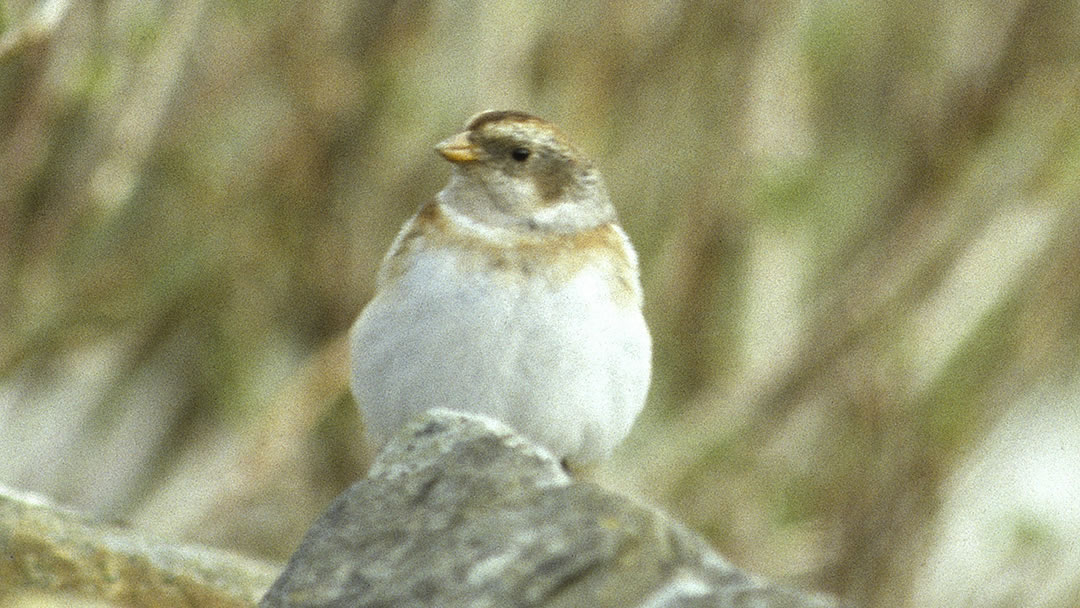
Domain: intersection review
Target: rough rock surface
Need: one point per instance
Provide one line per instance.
(55, 557)
(460, 511)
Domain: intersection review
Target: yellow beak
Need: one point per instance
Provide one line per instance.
(458, 149)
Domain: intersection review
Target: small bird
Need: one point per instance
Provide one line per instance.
(514, 294)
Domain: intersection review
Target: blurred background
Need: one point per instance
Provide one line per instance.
(858, 223)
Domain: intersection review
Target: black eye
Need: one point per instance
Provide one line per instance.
(520, 154)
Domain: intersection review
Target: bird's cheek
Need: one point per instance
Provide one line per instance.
(551, 187)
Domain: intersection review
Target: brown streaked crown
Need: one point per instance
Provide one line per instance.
(479, 120)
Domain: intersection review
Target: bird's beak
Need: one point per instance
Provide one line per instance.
(458, 149)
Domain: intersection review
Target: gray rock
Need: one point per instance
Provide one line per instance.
(51, 556)
(458, 510)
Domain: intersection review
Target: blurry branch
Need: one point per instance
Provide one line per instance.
(920, 234)
(247, 467)
(40, 24)
(951, 180)
(299, 407)
(291, 419)
(139, 119)
(49, 549)
(698, 283)
(974, 105)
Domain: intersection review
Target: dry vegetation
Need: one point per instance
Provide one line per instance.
(859, 224)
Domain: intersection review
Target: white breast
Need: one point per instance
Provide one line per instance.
(564, 364)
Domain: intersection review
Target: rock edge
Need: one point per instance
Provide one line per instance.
(458, 510)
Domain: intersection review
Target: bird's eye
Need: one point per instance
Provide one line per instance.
(520, 154)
